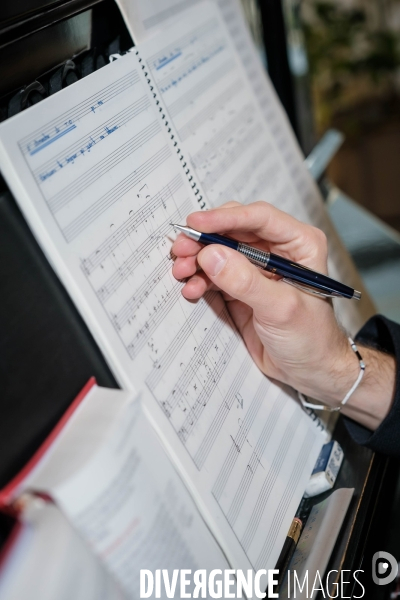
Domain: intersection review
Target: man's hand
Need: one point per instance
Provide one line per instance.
(292, 336)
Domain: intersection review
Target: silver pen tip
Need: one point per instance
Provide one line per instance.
(357, 295)
(188, 231)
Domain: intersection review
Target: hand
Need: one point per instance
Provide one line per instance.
(292, 336)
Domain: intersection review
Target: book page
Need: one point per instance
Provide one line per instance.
(122, 494)
(268, 163)
(48, 560)
(99, 180)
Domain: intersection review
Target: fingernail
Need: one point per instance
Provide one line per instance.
(213, 260)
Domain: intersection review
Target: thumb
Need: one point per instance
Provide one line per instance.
(236, 276)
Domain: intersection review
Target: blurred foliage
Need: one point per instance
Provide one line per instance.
(349, 61)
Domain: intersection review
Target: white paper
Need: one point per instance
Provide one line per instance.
(269, 165)
(122, 494)
(48, 560)
(214, 112)
(100, 180)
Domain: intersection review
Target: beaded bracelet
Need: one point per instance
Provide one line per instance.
(349, 393)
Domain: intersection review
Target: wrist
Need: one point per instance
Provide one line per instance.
(342, 374)
(373, 399)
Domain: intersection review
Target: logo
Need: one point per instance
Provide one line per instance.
(384, 568)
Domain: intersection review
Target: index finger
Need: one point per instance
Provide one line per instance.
(290, 237)
(268, 222)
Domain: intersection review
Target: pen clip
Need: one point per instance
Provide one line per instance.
(309, 289)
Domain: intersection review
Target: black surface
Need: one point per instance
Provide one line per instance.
(366, 473)
(277, 58)
(26, 59)
(46, 351)
(383, 533)
(21, 24)
(90, 34)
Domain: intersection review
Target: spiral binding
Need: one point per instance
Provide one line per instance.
(193, 184)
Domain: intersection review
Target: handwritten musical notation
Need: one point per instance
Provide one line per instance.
(86, 148)
(130, 274)
(296, 193)
(210, 112)
(187, 57)
(194, 94)
(86, 174)
(130, 270)
(173, 82)
(114, 166)
(239, 187)
(203, 368)
(251, 475)
(101, 167)
(182, 46)
(103, 217)
(199, 382)
(85, 144)
(164, 362)
(236, 124)
(303, 452)
(254, 462)
(218, 119)
(223, 412)
(166, 59)
(115, 171)
(238, 441)
(46, 139)
(68, 120)
(100, 205)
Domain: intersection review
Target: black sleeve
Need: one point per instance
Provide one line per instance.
(382, 334)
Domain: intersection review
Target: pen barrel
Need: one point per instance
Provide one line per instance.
(288, 549)
(302, 274)
(284, 559)
(215, 238)
(281, 266)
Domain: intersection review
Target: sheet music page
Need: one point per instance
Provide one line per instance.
(48, 560)
(286, 182)
(99, 180)
(214, 112)
(120, 491)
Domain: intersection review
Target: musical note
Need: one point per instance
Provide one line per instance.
(99, 103)
(202, 60)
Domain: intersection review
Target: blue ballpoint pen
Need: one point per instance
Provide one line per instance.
(293, 273)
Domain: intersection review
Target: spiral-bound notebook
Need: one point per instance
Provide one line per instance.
(99, 172)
